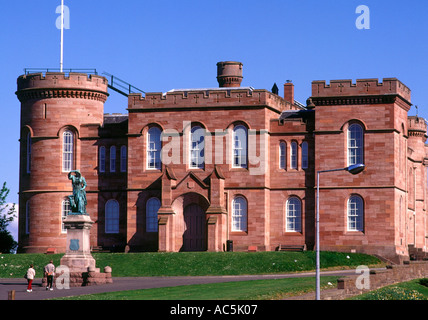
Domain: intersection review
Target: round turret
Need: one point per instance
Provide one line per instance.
(60, 117)
(229, 73)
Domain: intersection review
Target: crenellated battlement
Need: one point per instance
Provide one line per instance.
(417, 126)
(60, 85)
(362, 87)
(217, 97)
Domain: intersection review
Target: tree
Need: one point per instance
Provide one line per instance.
(7, 215)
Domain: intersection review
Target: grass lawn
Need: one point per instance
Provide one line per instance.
(241, 290)
(193, 263)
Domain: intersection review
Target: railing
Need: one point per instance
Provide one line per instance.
(115, 83)
(65, 71)
(121, 86)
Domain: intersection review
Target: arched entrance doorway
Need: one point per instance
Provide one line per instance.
(194, 236)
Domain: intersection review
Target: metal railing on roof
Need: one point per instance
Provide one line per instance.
(121, 86)
(65, 71)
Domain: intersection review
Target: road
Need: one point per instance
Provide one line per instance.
(133, 283)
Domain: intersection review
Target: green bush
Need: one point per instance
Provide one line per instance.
(424, 282)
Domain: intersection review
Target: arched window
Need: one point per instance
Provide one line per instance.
(355, 213)
(65, 210)
(102, 164)
(154, 148)
(305, 155)
(27, 217)
(123, 159)
(112, 159)
(67, 151)
(239, 214)
(240, 147)
(197, 145)
(112, 217)
(355, 144)
(293, 155)
(28, 152)
(293, 215)
(282, 155)
(152, 208)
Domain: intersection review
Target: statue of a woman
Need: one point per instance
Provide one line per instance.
(78, 199)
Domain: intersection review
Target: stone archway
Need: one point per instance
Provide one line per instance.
(190, 222)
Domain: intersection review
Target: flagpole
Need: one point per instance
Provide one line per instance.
(62, 36)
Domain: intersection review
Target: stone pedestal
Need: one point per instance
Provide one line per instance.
(78, 257)
(78, 248)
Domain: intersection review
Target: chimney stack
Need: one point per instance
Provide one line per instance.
(229, 74)
(289, 91)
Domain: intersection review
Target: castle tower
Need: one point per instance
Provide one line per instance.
(229, 73)
(60, 117)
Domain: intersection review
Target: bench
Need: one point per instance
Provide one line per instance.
(50, 251)
(298, 248)
(98, 249)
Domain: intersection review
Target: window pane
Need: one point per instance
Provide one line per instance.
(28, 153)
(123, 159)
(197, 145)
(154, 148)
(239, 214)
(239, 147)
(293, 155)
(293, 215)
(64, 212)
(355, 144)
(112, 159)
(282, 148)
(305, 155)
(112, 217)
(355, 213)
(102, 159)
(152, 208)
(67, 151)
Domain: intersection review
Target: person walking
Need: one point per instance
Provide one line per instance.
(30, 277)
(50, 273)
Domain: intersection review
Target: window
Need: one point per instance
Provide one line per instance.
(152, 208)
(123, 159)
(28, 153)
(355, 213)
(197, 144)
(239, 147)
(27, 217)
(282, 155)
(355, 144)
(112, 217)
(293, 215)
(154, 148)
(67, 151)
(305, 155)
(239, 214)
(65, 210)
(293, 155)
(102, 164)
(112, 159)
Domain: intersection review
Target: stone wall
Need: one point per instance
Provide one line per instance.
(378, 279)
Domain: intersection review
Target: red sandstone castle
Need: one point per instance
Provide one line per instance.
(213, 169)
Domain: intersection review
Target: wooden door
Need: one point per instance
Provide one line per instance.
(194, 237)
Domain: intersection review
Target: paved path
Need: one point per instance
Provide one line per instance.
(129, 283)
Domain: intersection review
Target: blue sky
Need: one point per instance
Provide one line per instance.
(158, 45)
